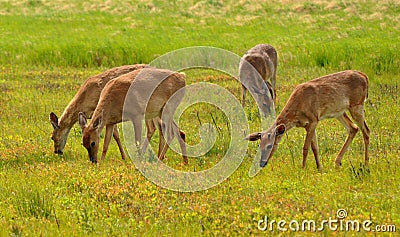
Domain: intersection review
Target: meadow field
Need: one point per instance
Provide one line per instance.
(48, 48)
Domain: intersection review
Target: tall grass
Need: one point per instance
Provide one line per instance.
(333, 38)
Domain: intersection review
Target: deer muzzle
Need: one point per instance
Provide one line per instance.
(264, 157)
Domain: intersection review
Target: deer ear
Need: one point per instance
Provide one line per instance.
(54, 120)
(98, 121)
(82, 120)
(253, 137)
(280, 129)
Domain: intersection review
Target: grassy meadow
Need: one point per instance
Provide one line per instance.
(48, 48)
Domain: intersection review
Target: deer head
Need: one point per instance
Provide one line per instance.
(91, 135)
(59, 135)
(269, 141)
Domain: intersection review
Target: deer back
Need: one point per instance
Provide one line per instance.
(325, 97)
(87, 97)
(149, 90)
(264, 59)
(152, 89)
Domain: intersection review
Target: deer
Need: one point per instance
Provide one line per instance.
(260, 62)
(325, 97)
(138, 104)
(85, 100)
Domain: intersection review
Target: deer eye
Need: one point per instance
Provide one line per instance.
(92, 144)
(269, 147)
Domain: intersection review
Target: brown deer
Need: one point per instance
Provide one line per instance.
(116, 104)
(260, 62)
(325, 97)
(85, 101)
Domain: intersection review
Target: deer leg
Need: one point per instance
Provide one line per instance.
(118, 140)
(107, 139)
(357, 112)
(181, 136)
(273, 84)
(307, 143)
(151, 128)
(314, 147)
(243, 95)
(137, 125)
(162, 145)
(352, 130)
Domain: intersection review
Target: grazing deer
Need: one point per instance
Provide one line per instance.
(112, 109)
(259, 61)
(85, 100)
(325, 97)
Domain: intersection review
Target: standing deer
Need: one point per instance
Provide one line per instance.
(112, 109)
(259, 61)
(85, 101)
(325, 97)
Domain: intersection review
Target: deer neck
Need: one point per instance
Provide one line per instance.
(288, 118)
(69, 117)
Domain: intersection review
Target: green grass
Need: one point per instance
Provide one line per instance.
(48, 48)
